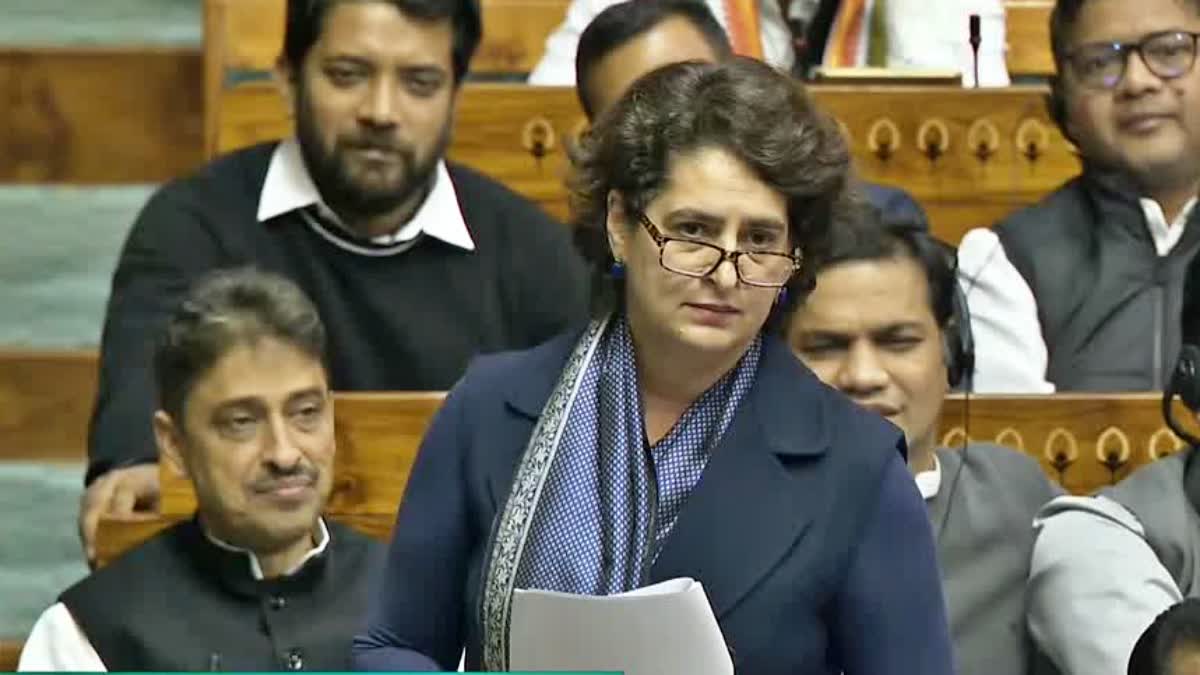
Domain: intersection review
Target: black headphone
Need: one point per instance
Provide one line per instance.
(1184, 383)
(959, 343)
(1185, 378)
(941, 261)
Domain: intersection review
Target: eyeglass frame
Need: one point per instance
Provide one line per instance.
(1127, 49)
(660, 239)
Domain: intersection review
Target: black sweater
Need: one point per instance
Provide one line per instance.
(410, 321)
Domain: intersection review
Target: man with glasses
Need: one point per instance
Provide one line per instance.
(1082, 291)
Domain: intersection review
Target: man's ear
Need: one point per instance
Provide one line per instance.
(286, 77)
(169, 438)
(616, 224)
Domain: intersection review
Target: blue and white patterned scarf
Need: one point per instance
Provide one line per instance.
(592, 503)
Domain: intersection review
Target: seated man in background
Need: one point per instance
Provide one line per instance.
(796, 35)
(1104, 567)
(884, 326)
(1171, 645)
(631, 38)
(416, 264)
(257, 581)
(1082, 291)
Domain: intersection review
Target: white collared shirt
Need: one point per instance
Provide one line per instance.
(1165, 234)
(57, 643)
(930, 482)
(1011, 355)
(289, 187)
(256, 568)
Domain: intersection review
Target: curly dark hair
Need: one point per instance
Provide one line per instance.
(758, 115)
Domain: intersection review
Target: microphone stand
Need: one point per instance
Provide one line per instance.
(976, 38)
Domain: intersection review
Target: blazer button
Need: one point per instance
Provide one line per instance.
(278, 602)
(295, 661)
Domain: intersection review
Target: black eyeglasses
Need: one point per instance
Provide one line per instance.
(697, 258)
(1101, 65)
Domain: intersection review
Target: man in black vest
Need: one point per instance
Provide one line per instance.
(1082, 290)
(1104, 567)
(258, 580)
(416, 264)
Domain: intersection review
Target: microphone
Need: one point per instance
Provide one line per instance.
(1184, 383)
(976, 37)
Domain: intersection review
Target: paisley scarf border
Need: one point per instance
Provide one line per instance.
(514, 524)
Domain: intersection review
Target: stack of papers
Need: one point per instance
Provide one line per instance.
(665, 629)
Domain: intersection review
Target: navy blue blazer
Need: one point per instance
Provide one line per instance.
(806, 529)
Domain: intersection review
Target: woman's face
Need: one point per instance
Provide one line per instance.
(712, 197)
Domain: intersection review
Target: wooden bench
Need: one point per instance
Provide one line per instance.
(1028, 36)
(135, 113)
(98, 115)
(46, 400)
(1084, 442)
(10, 655)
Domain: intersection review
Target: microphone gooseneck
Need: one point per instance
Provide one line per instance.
(976, 38)
(1173, 424)
(1183, 383)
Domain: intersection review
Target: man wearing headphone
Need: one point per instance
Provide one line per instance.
(1104, 567)
(886, 325)
(1081, 291)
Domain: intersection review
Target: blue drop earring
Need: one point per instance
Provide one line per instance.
(617, 271)
(782, 297)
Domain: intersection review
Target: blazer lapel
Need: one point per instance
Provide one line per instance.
(754, 498)
(524, 400)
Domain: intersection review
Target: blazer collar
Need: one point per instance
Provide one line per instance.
(758, 492)
(527, 395)
(783, 388)
(754, 495)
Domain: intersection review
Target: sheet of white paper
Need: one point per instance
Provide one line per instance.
(664, 629)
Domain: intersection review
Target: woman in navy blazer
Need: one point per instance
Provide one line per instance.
(676, 436)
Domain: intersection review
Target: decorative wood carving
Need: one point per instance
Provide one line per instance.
(984, 139)
(933, 138)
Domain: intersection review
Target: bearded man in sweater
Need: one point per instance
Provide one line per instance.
(415, 263)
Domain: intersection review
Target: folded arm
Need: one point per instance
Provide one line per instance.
(1094, 585)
